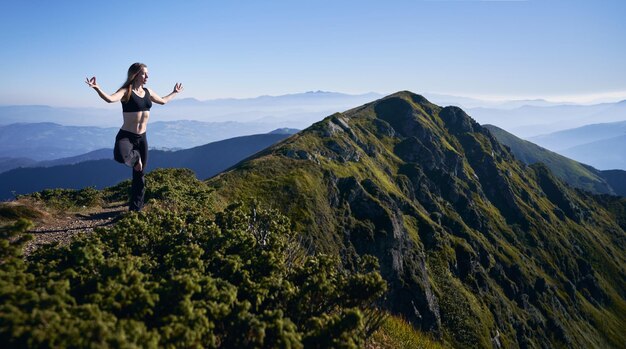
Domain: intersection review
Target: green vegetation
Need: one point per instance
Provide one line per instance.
(470, 248)
(571, 172)
(476, 247)
(175, 278)
(397, 333)
(67, 199)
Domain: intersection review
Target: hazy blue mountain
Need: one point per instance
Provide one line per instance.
(189, 133)
(206, 161)
(102, 117)
(468, 102)
(572, 172)
(48, 141)
(606, 154)
(285, 130)
(105, 153)
(8, 163)
(297, 110)
(513, 104)
(523, 117)
(528, 121)
(580, 135)
(315, 98)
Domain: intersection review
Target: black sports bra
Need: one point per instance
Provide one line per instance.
(136, 103)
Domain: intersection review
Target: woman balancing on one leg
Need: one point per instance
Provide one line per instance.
(131, 145)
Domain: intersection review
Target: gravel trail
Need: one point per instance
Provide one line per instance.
(62, 228)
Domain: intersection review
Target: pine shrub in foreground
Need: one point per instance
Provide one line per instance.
(165, 279)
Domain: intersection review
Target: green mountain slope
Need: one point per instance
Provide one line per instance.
(475, 246)
(572, 172)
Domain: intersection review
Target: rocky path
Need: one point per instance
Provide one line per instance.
(62, 228)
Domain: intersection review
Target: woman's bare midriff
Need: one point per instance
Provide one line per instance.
(136, 122)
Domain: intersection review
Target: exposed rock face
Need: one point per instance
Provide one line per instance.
(476, 247)
(399, 255)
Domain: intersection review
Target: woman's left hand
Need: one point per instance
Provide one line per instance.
(91, 82)
(178, 87)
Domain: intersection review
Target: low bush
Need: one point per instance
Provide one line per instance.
(65, 199)
(171, 279)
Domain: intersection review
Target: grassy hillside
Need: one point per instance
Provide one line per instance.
(475, 246)
(571, 172)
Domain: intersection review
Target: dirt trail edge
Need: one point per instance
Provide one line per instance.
(62, 228)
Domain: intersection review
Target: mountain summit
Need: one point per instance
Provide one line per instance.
(476, 247)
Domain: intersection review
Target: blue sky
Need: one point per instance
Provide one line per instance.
(511, 49)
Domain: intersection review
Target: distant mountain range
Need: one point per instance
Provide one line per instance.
(531, 120)
(48, 141)
(245, 116)
(574, 173)
(205, 161)
(293, 110)
(7, 164)
(524, 118)
(102, 117)
(468, 102)
(606, 154)
(570, 138)
(600, 145)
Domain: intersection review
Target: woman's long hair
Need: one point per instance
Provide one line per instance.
(134, 69)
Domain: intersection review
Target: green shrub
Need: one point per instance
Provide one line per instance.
(171, 279)
(64, 199)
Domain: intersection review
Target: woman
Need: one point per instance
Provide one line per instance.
(131, 145)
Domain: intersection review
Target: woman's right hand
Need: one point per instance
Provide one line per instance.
(91, 82)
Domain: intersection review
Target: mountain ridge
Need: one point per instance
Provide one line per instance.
(574, 173)
(468, 237)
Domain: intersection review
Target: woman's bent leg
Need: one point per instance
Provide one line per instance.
(124, 150)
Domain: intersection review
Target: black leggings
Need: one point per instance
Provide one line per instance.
(129, 148)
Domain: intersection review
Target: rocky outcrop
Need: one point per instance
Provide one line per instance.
(376, 227)
(565, 206)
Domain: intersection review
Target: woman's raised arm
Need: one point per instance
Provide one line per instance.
(162, 100)
(108, 98)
